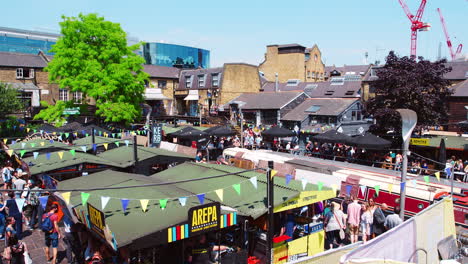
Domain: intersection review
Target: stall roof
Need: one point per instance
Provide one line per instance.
(88, 141)
(41, 164)
(172, 129)
(124, 155)
(18, 146)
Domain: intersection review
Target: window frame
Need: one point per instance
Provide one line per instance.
(63, 97)
(19, 73)
(215, 81)
(160, 84)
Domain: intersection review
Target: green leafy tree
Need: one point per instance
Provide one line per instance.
(92, 57)
(9, 102)
(53, 113)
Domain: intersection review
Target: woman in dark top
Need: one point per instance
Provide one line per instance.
(14, 212)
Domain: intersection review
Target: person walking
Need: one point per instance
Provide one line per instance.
(354, 215)
(33, 202)
(13, 211)
(19, 184)
(393, 220)
(51, 233)
(16, 251)
(378, 216)
(7, 173)
(366, 222)
(334, 226)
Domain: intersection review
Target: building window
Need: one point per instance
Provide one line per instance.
(337, 81)
(77, 96)
(162, 84)
(215, 80)
(293, 82)
(315, 57)
(31, 73)
(308, 74)
(19, 73)
(201, 80)
(63, 95)
(313, 74)
(188, 81)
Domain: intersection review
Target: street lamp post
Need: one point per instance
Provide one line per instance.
(409, 120)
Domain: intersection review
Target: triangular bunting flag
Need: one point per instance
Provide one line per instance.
(67, 135)
(104, 201)
(20, 203)
(59, 138)
(124, 204)
(237, 187)
(94, 147)
(144, 204)
(320, 185)
(126, 143)
(105, 145)
(66, 197)
(27, 129)
(288, 178)
(334, 187)
(5, 141)
(113, 135)
(390, 188)
(377, 189)
(273, 173)
(201, 198)
(402, 186)
(43, 201)
(13, 142)
(9, 152)
(426, 179)
(220, 193)
(22, 152)
(47, 155)
(363, 189)
(42, 144)
(83, 148)
(437, 174)
(33, 145)
(182, 200)
(304, 184)
(60, 154)
(253, 180)
(163, 203)
(84, 198)
(51, 141)
(348, 189)
(117, 144)
(34, 130)
(414, 183)
(35, 154)
(23, 145)
(72, 151)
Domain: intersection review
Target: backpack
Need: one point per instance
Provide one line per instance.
(47, 224)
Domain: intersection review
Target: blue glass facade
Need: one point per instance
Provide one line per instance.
(171, 55)
(25, 45)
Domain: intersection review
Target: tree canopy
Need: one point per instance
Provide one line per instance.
(92, 57)
(9, 102)
(404, 82)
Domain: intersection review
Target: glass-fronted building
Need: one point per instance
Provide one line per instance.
(26, 41)
(171, 55)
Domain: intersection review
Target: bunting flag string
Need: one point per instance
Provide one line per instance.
(72, 151)
(84, 149)
(182, 200)
(320, 185)
(9, 152)
(426, 179)
(35, 154)
(237, 187)
(289, 177)
(348, 189)
(201, 198)
(163, 203)
(104, 201)
(377, 189)
(220, 193)
(105, 145)
(253, 180)
(66, 197)
(144, 204)
(363, 189)
(125, 203)
(84, 198)
(437, 174)
(304, 183)
(390, 188)
(20, 203)
(402, 186)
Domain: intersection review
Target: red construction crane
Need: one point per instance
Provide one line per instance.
(447, 37)
(416, 23)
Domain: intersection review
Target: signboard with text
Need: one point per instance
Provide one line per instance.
(157, 135)
(204, 218)
(96, 220)
(419, 141)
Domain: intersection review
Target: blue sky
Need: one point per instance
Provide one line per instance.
(238, 31)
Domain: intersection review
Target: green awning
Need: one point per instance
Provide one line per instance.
(99, 141)
(38, 145)
(124, 155)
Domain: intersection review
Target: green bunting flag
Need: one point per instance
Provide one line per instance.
(377, 189)
(237, 187)
(320, 185)
(33, 145)
(84, 198)
(22, 152)
(426, 179)
(72, 151)
(163, 203)
(67, 135)
(117, 144)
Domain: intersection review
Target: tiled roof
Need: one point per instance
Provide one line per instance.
(161, 71)
(21, 60)
(266, 100)
(208, 78)
(328, 107)
(459, 70)
(358, 69)
(460, 89)
(320, 89)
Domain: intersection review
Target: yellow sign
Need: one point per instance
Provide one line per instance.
(280, 254)
(96, 220)
(204, 218)
(419, 141)
(305, 198)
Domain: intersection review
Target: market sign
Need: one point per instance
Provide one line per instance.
(419, 141)
(71, 111)
(305, 198)
(96, 220)
(204, 218)
(157, 135)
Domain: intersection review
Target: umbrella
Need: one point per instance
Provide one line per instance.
(193, 134)
(221, 131)
(442, 154)
(369, 141)
(332, 136)
(277, 131)
(181, 131)
(71, 127)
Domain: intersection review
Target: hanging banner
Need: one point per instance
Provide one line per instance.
(96, 220)
(419, 141)
(157, 135)
(204, 218)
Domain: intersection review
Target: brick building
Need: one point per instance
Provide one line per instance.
(159, 93)
(293, 62)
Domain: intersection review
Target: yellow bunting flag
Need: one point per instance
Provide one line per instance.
(66, 197)
(437, 174)
(220, 193)
(273, 173)
(27, 129)
(144, 204)
(60, 154)
(105, 145)
(10, 152)
(334, 188)
(390, 188)
(54, 133)
(42, 143)
(5, 140)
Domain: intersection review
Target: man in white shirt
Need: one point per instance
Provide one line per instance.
(394, 219)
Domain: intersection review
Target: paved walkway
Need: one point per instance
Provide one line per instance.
(35, 243)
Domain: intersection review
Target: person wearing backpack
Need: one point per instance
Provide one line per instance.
(51, 231)
(7, 171)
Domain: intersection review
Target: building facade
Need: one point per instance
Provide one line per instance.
(159, 92)
(208, 90)
(26, 41)
(292, 62)
(171, 55)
